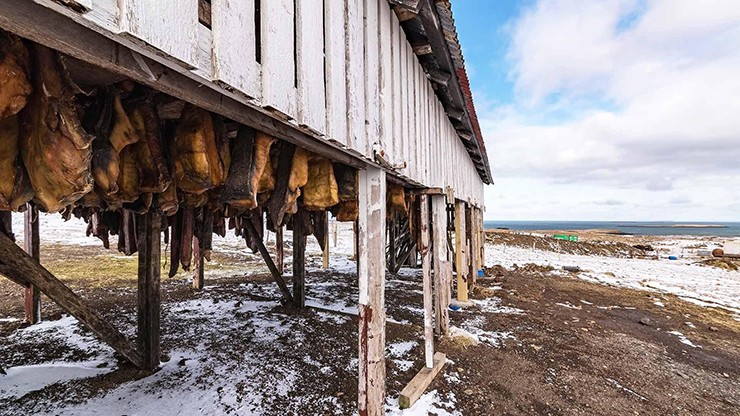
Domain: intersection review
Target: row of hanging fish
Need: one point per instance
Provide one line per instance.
(106, 149)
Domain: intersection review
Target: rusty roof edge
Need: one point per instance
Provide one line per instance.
(447, 25)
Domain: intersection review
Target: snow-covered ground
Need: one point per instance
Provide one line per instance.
(700, 284)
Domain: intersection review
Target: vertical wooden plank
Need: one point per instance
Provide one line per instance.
(336, 77)
(471, 234)
(403, 138)
(410, 133)
(372, 76)
(416, 139)
(169, 26)
(234, 45)
(371, 238)
(396, 86)
(355, 74)
(300, 221)
(31, 243)
(442, 269)
(310, 64)
(148, 240)
(461, 263)
(427, 281)
(278, 56)
(386, 76)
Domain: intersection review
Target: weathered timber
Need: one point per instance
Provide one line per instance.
(418, 385)
(148, 336)
(32, 296)
(279, 250)
(426, 273)
(276, 204)
(249, 227)
(175, 243)
(199, 266)
(461, 257)
(371, 227)
(442, 266)
(300, 220)
(325, 239)
(186, 238)
(20, 266)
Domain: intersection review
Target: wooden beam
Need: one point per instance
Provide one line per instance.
(32, 301)
(418, 385)
(199, 266)
(461, 258)
(442, 266)
(371, 266)
(426, 272)
(439, 77)
(279, 250)
(268, 260)
(148, 239)
(325, 253)
(300, 220)
(20, 266)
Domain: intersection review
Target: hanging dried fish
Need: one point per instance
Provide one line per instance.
(250, 153)
(56, 150)
(321, 190)
(15, 85)
(15, 186)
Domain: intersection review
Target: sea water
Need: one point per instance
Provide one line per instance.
(722, 229)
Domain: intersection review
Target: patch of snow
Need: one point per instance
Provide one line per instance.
(493, 305)
(659, 303)
(24, 379)
(568, 305)
(428, 404)
(400, 349)
(683, 339)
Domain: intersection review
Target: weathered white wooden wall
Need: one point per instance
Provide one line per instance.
(342, 70)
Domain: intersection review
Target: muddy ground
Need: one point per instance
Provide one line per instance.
(552, 345)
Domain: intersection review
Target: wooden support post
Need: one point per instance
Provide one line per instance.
(148, 238)
(279, 250)
(427, 280)
(277, 275)
(371, 240)
(418, 385)
(461, 262)
(470, 227)
(300, 221)
(31, 243)
(442, 265)
(199, 266)
(325, 253)
(19, 266)
(392, 243)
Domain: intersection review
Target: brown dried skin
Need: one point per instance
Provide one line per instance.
(15, 188)
(15, 85)
(347, 211)
(153, 174)
(200, 163)
(348, 208)
(396, 199)
(263, 162)
(298, 178)
(128, 180)
(167, 200)
(321, 190)
(56, 150)
(250, 154)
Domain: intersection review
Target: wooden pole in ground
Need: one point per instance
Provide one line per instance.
(148, 337)
(277, 275)
(31, 243)
(472, 237)
(199, 266)
(279, 250)
(391, 228)
(427, 280)
(19, 266)
(461, 263)
(300, 221)
(325, 254)
(442, 266)
(371, 240)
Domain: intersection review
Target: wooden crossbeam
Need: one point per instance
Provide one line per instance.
(268, 260)
(418, 385)
(20, 266)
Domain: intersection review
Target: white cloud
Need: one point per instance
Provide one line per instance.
(611, 105)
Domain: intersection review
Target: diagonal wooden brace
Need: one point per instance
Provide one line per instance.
(21, 267)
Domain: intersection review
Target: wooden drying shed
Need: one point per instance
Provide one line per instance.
(188, 118)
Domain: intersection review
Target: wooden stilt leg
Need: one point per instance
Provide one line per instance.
(442, 265)
(148, 238)
(461, 263)
(427, 281)
(392, 244)
(471, 252)
(277, 275)
(371, 239)
(300, 220)
(199, 266)
(325, 253)
(279, 253)
(32, 304)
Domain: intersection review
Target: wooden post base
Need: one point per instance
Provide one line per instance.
(418, 385)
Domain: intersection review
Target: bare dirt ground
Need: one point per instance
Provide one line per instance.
(549, 345)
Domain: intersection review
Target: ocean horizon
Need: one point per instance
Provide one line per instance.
(702, 228)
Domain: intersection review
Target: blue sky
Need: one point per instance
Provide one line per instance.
(609, 109)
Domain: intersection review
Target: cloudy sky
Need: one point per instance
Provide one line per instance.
(608, 109)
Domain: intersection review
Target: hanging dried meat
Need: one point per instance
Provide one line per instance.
(200, 153)
(396, 200)
(321, 190)
(15, 187)
(250, 153)
(348, 207)
(298, 179)
(153, 173)
(14, 68)
(56, 150)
